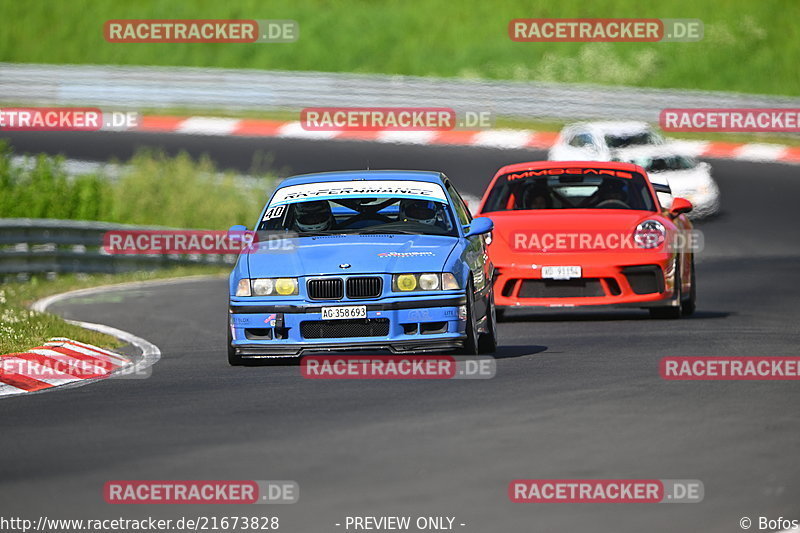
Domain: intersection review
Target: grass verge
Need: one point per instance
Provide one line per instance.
(747, 46)
(152, 189)
(21, 328)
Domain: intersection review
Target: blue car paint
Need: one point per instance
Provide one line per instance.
(380, 255)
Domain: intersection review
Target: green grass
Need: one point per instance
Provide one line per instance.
(22, 329)
(154, 189)
(749, 46)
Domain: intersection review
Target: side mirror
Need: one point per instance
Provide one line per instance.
(237, 229)
(240, 234)
(479, 226)
(680, 205)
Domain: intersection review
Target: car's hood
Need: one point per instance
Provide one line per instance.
(313, 256)
(539, 226)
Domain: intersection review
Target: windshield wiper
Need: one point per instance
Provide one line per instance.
(386, 231)
(317, 234)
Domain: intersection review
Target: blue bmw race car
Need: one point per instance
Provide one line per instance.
(363, 260)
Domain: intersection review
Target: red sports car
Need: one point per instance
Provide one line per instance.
(577, 233)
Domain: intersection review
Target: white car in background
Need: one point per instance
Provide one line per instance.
(599, 141)
(685, 176)
(637, 142)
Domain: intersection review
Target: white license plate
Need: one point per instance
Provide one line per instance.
(339, 313)
(561, 272)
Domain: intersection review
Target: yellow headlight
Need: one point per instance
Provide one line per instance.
(286, 286)
(406, 282)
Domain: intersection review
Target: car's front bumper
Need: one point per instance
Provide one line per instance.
(418, 324)
(619, 281)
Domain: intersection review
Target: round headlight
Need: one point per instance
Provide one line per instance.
(285, 286)
(406, 282)
(650, 234)
(429, 282)
(263, 286)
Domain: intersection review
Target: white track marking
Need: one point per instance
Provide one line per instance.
(760, 152)
(208, 126)
(86, 349)
(34, 370)
(693, 148)
(502, 138)
(295, 130)
(406, 137)
(150, 353)
(66, 361)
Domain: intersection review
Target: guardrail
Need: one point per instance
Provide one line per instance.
(37, 246)
(213, 89)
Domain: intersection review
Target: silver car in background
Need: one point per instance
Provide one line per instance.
(599, 141)
(685, 176)
(638, 142)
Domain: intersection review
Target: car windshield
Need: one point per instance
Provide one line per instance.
(636, 139)
(361, 215)
(665, 163)
(522, 191)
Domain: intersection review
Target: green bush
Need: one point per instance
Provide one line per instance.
(153, 189)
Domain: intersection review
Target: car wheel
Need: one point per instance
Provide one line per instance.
(233, 359)
(689, 305)
(487, 342)
(671, 311)
(471, 340)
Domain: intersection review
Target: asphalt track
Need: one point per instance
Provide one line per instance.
(577, 395)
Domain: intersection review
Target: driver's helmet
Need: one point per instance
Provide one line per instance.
(612, 189)
(313, 216)
(422, 211)
(537, 196)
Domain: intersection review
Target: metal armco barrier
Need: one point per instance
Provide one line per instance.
(128, 87)
(34, 246)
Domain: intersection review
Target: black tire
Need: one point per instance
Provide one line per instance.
(672, 311)
(487, 342)
(233, 359)
(689, 305)
(471, 341)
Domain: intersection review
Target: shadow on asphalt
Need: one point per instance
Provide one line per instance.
(602, 316)
(508, 352)
(503, 352)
